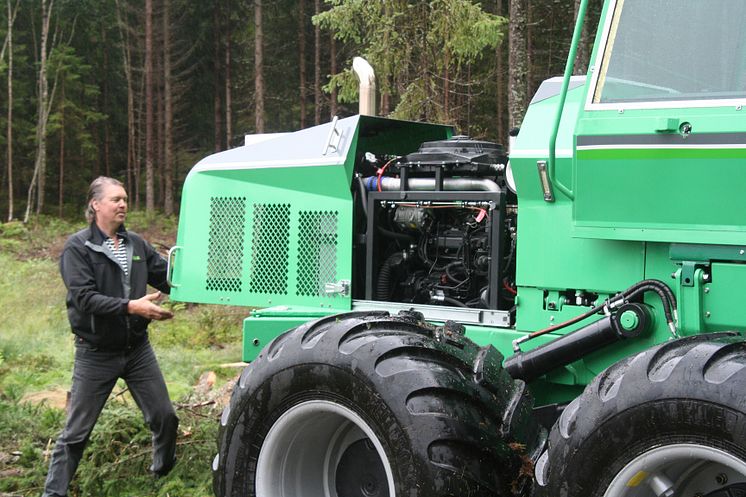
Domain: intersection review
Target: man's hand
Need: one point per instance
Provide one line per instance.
(145, 307)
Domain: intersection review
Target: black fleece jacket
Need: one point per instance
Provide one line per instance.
(98, 290)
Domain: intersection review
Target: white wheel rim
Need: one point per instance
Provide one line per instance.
(302, 449)
(677, 470)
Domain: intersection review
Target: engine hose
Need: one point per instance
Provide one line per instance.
(397, 236)
(363, 195)
(454, 302)
(383, 286)
(450, 275)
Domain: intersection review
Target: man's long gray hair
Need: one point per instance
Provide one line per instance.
(96, 191)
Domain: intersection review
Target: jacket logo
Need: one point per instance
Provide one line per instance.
(136, 258)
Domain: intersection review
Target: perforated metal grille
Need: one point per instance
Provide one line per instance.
(226, 244)
(269, 249)
(317, 252)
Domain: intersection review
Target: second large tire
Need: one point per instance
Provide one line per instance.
(670, 421)
(368, 405)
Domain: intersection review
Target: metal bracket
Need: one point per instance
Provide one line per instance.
(339, 288)
(554, 301)
(169, 265)
(687, 273)
(691, 285)
(335, 136)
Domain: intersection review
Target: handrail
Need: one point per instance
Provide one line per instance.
(169, 267)
(332, 133)
(551, 163)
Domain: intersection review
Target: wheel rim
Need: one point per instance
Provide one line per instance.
(678, 469)
(319, 447)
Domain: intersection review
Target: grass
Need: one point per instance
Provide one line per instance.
(36, 355)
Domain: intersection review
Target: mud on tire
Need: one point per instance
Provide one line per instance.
(364, 404)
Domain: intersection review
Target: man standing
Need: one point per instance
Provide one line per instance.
(106, 270)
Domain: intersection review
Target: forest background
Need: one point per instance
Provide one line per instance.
(143, 89)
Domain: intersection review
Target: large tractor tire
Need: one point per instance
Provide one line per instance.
(367, 405)
(670, 421)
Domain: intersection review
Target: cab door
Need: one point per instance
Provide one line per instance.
(661, 143)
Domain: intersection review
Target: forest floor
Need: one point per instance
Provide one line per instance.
(198, 351)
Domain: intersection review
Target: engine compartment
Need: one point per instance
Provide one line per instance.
(436, 227)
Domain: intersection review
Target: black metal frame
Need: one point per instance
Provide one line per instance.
(496, 230)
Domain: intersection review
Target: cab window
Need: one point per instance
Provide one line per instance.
(674, 50)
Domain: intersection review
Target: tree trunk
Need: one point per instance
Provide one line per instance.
(11, 20)
(149, 118)
(42, 115)
(107, 129)
(446, 86)
(127, 62)
(62, 152)
(217, 110)
(168, 170)
(502, 133)
(43, 101)
(228, 83)
(139, 135)
(333, 70)
(529, 48)
(258, 67)
(317, 68)
(385, 105)
(517, 63)
(159, 111)
(302, 59)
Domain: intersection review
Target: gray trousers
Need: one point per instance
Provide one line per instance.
(94, 376)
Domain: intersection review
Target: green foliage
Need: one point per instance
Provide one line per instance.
(117, 457)
(141, 221)
(37, 238)
(415, 48)
(463, 29)
(73, 115)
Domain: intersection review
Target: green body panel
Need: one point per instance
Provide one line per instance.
(723, 299)
(647, 193)
(263, 325)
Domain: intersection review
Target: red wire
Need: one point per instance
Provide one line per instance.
(508, 288)
(381, 171)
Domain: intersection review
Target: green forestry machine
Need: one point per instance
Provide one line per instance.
(433, 318)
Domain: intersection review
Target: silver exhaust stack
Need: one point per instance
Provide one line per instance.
(367, 78)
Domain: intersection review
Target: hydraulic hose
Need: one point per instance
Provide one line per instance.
(668, 300)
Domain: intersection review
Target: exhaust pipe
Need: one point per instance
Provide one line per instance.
(367, 78)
